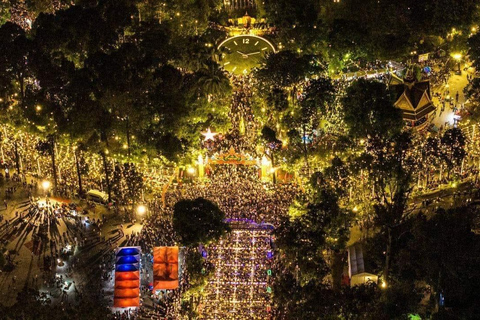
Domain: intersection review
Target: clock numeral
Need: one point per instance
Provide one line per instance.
(246, 41)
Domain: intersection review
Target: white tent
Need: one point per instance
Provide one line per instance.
(356, 266)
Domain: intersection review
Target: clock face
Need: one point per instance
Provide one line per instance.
(240, 54)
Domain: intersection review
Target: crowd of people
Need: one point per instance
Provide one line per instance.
(239, 192)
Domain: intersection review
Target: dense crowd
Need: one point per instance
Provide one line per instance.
(239, 192)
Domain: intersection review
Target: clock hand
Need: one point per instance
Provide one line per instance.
(243, 54)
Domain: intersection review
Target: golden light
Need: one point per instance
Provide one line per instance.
(384, 285)
(272, 170)
(39, 108)
(191, 170)
(457, 56)
(45, 185)
(265, 161)
(209, 135)
(125, 146)
(355, 209)
(141, 209)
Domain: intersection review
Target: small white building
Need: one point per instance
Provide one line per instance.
(356, 266)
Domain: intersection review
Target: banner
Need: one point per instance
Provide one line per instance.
(165, 268)
(422, 57)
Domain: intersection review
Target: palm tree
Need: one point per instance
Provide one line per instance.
(212, 81)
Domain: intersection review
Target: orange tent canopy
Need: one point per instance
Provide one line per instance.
(125, 284)
(127, 293)
(130, 275)
(125, 303)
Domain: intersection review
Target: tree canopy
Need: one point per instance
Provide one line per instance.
(198, 221)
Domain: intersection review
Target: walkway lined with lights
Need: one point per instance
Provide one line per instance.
(240, 287)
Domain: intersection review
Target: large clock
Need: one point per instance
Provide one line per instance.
(239, 54)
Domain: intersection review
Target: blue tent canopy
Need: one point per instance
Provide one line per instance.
(128, 252)
(127, 260)
(126, 268)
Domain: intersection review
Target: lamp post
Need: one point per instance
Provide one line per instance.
(190, 172)
(457, 57)
(45, 185)
(141, 210)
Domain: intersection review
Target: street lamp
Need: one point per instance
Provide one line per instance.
(45, 186)
(457, 56)
(141, 209)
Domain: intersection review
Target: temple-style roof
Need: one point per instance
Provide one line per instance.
(412, 97)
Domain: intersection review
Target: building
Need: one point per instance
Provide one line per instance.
(413, 98)
(239, 4)
(356, 266)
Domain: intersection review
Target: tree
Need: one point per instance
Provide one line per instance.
(198, 221)
(272, 145)
(47, 148)
(392, 170)
(301, 267)
(319, 93)
(431, 154)
(368, 110)
(287, 69)
(81, 166)
(453, 147)
(443, 251)
(474, 50)
(15, 60)
(133, 183)
(212, 81)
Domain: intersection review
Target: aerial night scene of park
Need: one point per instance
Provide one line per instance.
(239, 159)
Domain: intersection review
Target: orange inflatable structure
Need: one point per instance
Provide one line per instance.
(165, 268)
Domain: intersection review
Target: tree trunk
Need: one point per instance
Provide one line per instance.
(54, 167)
(388, 254)
(274, 176)
(21, 80)
(79, 174)
(1, 151)
(337, 270)
(128, 137)
(107, 176)
(17, 157)
(305, 150)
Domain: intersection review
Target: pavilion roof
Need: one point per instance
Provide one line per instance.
(412, 97)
